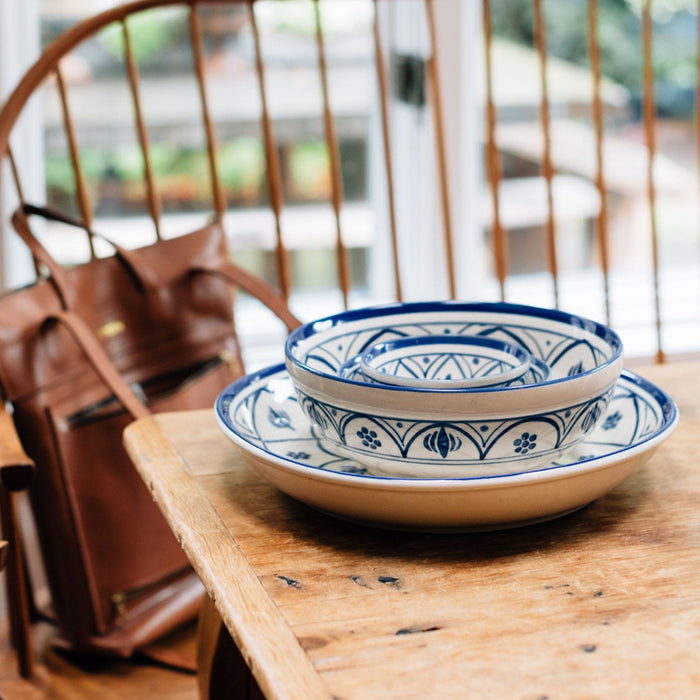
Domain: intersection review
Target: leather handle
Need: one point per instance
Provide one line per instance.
(144, 275)
(109, 374)
(232, 273)
(58, 275)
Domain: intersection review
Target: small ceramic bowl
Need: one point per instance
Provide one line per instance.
(537, 372)
(413, 432)
(445, 362)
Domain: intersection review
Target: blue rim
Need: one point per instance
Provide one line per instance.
(669, 412)
(308, 329)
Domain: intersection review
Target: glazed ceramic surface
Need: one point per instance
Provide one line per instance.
(261, 415)
(445, 362)
(536, 372)
(569, 345)
(461, 444)
(410, 431)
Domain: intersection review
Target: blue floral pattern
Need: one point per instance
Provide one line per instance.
(611, 420)
(442, 442)
(279, 418)
(638, 412)
(460, 442)
(368, 438)
(525, 443)
(566, 355)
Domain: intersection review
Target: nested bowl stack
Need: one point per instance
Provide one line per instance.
(467, 432)
(445, 362)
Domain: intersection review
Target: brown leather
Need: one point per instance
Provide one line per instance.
(82, 353)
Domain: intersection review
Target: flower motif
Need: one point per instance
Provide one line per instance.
(298, 455)
(612, 420)
(353, 469)
(442, 442)
(525, 443)
(368, 437)
(279, 418)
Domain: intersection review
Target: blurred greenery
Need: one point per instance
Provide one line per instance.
(240, 162)
(620, 39)
(309, 169)
(295, 17)
(149, 32)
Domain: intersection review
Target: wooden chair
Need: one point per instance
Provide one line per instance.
(62, 65)
(61, 68)
(54, 77)
(15, 475)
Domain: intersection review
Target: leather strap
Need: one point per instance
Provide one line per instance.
(232, 273)
(58, 275)
(144, 275)
(84, 337)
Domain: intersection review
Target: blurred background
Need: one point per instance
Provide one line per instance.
(113, 166)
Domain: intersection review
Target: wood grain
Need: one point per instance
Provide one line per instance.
(260, 633)
(601, 603)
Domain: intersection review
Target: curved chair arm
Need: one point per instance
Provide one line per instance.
(16, 472)
(237, 276)
(16, 468)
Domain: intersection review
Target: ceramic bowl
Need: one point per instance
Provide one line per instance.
(537, 371)
(261, 415)
(411, 432)
(445, 362)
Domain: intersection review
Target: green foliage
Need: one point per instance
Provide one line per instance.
(619, 35)
(59, 174)
(309, 168)
(295, 17)
(59, 170)
(241, 163)
(149, 33)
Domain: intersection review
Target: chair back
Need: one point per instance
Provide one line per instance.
(576, 190)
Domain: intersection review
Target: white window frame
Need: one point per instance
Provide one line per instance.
(418, 208)
(19, 48)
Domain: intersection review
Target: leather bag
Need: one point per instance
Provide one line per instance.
(83, 351)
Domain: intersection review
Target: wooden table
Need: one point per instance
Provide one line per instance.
(603, 603)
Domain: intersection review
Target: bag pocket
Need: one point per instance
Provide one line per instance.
(127, 549)
(124, 541)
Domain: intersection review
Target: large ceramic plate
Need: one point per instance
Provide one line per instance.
(260, 414)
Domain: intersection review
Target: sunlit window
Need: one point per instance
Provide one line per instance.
(98, 89)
